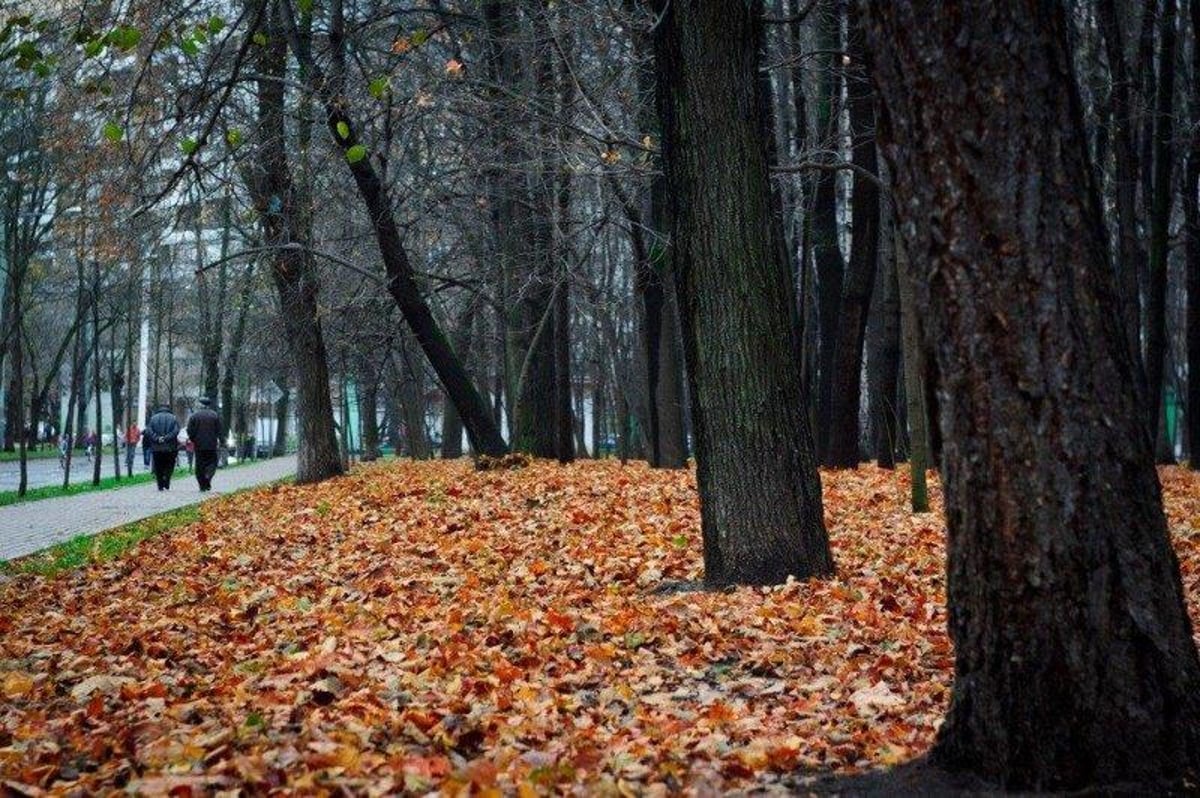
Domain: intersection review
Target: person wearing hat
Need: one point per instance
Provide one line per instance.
(162, 436)
(204, 433)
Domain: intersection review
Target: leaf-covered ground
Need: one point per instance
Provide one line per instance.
(424, 626)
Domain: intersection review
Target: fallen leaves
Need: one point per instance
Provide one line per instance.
(523, 629)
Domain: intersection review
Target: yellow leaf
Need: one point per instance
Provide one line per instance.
(16, 684)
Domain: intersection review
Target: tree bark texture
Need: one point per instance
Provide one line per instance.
(883, 356)
(1130, 253)
(827, 252)
(292, 269)
(760, 494)
(1191, 209)
(1160, 223)
(846, 377)
(1074, 664)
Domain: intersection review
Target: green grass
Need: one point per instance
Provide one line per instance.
(41, 454)
(106, 483)
(87, 549)
(54, 491)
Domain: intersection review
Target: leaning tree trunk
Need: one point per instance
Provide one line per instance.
(481, 428)
(1075, 664)
(760, 495)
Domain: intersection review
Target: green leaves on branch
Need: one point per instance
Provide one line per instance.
(233, 138)
(260, 39)
(113, 132)
(343, 131)
(379, 87)
(188, 145)
(356, 153)
(124, 37)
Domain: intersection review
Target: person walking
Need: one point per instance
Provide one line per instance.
(162, 435)
(132, 436)
(204, 434)
(64, 447)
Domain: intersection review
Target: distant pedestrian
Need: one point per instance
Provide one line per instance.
(64, 448)
(132, 436)
(162, 435)
(205, 433)
(89, 441)
(189, 447)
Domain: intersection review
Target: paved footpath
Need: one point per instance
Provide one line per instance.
(33, 526)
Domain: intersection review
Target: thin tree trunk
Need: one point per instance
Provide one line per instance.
(883, 354)
(846, 379)
(914, 379)
(827, 252)
(1191, 212)
(282, 409)
(1129, 250)
(98, 454)
(1160, 222)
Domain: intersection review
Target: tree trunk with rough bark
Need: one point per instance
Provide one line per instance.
(1160, 224)
(846, 378)
(883, 356)
(1075, 665)
(291, 268)
(829, 263)
(760, 494)
(1191, 208)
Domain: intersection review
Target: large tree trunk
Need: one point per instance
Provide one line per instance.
(1075, 664)
(846, 379)
(760, 495)
(292, 269)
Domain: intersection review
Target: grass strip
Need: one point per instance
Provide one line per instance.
(8, 497)
(103, 546)
(87, 549)
(32, 454)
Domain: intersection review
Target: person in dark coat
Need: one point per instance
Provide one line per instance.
(162, 436)
(205, 433)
